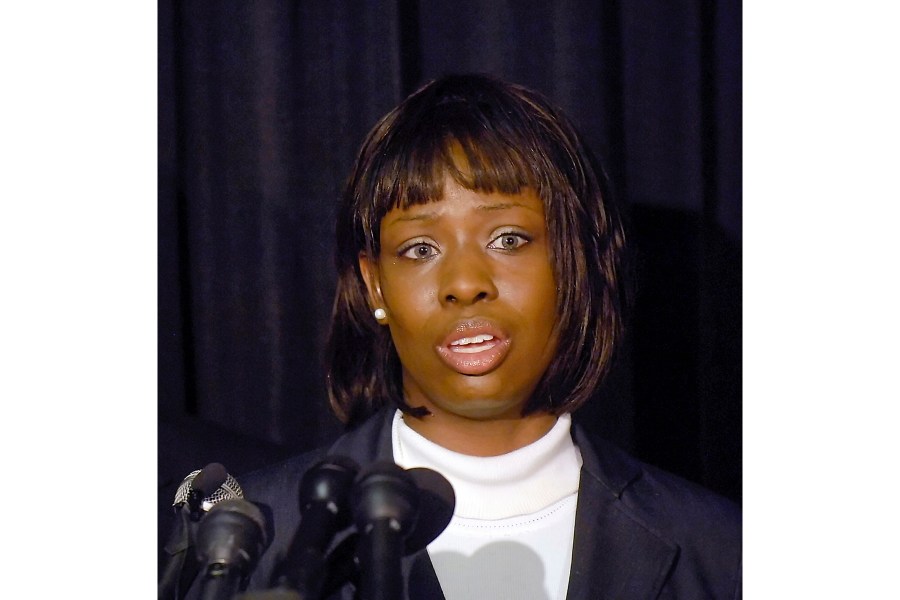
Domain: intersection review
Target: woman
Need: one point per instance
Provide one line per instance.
(480, 301)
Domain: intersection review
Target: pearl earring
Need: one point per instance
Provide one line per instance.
(380, 314)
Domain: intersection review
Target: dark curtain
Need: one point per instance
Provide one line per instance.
(262, 106)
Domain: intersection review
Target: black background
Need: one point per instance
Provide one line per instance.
(262, 106)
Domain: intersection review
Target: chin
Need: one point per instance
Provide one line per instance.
(483, 409)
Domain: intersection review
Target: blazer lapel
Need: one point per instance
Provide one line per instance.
(369, 442)
(422, 581)
(614, 556)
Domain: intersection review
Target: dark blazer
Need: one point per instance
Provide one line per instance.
(640, 533)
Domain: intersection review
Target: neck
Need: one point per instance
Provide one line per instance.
(481, 437)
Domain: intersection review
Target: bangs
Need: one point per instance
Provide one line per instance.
(483, 147)
(484, 165)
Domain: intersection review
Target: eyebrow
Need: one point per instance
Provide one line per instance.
(431, 216)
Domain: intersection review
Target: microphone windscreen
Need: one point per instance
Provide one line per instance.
(328, 481)
(383, 490)
(209, 478)
(227, 489)
(436, 503)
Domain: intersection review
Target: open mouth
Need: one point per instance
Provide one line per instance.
(472, 345)
(474, 348)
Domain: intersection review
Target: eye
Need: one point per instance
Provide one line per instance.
(510, 240)
(418, 251)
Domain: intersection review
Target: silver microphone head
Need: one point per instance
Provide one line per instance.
(229, 489)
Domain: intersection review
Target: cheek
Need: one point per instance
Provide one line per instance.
(408, 299)
(408, 308)
(408, 315)
(537, 301)
(534, 291)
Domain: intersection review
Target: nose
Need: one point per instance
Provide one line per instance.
(467, 277)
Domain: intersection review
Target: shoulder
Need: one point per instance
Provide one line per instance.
(703, 528)
(706, 526)
(662, 499)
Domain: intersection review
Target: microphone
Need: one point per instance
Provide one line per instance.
(324, 509)
(196, 494)
(230, 540)
(436, 503)
(205, 487)
(385, 503)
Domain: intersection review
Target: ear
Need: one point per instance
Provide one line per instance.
(368, 267)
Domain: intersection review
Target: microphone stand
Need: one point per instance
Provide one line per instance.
(177, 548)
(380, 555)
(339, 569)
(385, 504)
(182, 566)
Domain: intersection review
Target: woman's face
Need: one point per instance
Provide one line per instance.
(470, 296)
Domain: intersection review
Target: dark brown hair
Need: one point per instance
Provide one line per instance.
(511, 138)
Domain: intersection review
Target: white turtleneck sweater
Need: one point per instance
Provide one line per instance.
(514, 521)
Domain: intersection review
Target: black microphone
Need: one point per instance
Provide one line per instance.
(436, 503)
(385, 503)
(230, 540)
(324, 510)
(196, 494)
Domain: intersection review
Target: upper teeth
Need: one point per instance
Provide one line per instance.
(483, 337)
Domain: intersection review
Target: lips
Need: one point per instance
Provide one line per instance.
(474, 347)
